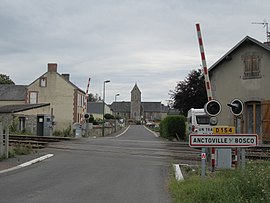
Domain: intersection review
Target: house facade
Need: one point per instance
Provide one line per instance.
(244, 73)
(23, 117)
(66, 99)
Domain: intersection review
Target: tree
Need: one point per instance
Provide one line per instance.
(5, 80)
(93, 98)
(190, 93)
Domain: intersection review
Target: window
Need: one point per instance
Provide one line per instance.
(251, 65)
(253, 124)
(80, 101)
(43, 82)
(33, 97)
(22, 124)
(203, 120)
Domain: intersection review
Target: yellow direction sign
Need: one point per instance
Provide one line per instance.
(224, 130)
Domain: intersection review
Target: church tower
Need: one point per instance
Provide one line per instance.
(135, 104)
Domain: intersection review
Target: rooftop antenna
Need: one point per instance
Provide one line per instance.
(265, 24)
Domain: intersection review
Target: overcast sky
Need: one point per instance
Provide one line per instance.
(149, 42)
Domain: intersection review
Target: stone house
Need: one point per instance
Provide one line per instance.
(244, 73)
(23, 117)
(66, 99)
(96, 109)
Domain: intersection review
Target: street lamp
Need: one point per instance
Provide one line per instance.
(115, 111)
(106, 81)
(116, 97)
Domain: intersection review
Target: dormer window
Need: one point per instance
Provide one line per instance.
(43, 82)
(252, 62)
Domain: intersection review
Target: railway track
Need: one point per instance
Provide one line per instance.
(36, 142)
(259, 152)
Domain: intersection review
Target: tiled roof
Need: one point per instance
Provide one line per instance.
(20, 107)
(151, 106)
(120, 106)
(147, 106)
(12, 92)
(95, 107)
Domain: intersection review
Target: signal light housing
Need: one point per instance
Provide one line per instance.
(236, 107)
(212, 108)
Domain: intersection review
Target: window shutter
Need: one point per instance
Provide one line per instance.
(266, 121)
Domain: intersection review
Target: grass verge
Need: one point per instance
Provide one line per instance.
(251, 184)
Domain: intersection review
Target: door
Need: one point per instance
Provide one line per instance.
(266, 121)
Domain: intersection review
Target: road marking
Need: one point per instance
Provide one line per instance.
(156, 135)
(178, 173)
(122, 132)
(27, 163)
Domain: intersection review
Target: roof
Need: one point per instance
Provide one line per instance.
(20, 107)
(12, 92)
(147, 106)
(151, 106)
(136, 88)
(95, 107)
(120, 106)
(246, 39)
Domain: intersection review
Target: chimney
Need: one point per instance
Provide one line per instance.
(66, 76)
(52, 67)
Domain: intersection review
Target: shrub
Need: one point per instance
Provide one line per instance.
(173, 127)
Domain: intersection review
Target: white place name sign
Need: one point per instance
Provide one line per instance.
(224, 140)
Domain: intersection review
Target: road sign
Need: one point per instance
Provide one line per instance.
(223, 140)
(223, 130)
(203, 155)
(208, 129)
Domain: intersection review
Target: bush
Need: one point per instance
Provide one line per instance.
(108, 116)
(173, 127)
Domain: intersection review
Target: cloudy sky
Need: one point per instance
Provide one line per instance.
(149, 42)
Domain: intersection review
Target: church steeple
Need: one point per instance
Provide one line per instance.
(135, 93)
(135, 105)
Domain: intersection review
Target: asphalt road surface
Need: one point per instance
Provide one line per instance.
(132, 167)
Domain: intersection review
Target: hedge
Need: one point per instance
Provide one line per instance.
(173, 127)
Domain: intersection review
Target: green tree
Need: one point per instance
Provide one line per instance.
(5, 80)
(93, 98)
(190, 93)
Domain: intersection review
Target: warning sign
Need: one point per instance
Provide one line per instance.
(203, 155)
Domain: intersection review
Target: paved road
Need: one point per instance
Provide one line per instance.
(133, 167)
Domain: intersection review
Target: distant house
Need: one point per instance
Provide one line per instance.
(244, 73)
(12, 94)
(96, 109)
(23, 117)
(137, 110)
(66, 99)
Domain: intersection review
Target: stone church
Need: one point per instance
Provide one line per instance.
(137, 110)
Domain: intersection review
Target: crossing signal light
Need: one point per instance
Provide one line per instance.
(87, 116)
(236, 107)
(212, 108)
